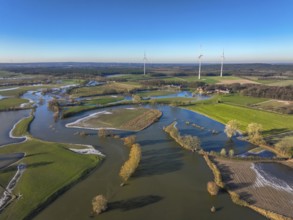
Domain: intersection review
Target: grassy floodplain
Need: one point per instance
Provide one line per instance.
(124, 119)
(272, 123)
(50, 167)
(22, 127)
(11, 103)
(89, 105)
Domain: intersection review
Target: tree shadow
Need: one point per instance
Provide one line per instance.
(134, 203)
(247, 197)
(161, 161)
(39, 164)
(151, 142)
(275, 131)
(35, 154)
(227, 178)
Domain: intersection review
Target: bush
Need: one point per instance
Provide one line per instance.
(99, 204)
(223, 152)
(103, 133)
(130, 140)
(212, 188)
(231, 153)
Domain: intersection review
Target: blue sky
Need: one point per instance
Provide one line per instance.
(169, 31)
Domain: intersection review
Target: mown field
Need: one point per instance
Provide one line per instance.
(49, 168)
(241, 100)
(272, 123)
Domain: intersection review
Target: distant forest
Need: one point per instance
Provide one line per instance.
(104, 69)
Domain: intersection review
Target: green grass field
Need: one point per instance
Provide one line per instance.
(272, 123)
(49, 168)
(236, 99)
(11, 103)
(22, 127)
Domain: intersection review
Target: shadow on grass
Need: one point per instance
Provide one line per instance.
(275, 131)
(134, 203)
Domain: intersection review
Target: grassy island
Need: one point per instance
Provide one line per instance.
(132, 119)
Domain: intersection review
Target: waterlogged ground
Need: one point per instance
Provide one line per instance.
(170, 183)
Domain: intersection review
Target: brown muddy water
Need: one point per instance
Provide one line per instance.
(170, 183)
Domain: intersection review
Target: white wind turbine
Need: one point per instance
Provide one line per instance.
(222, 63)
(199, 63)
(144, 62)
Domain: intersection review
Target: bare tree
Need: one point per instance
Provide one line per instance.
(231, 128)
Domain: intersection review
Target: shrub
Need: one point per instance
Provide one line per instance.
(99, 204)
(212, 188)
(130, 140)
(103, 133)
(231, 153)
(223, 152)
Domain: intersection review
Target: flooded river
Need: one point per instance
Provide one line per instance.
(170, 183)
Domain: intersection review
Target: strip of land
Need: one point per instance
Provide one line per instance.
(132, 119)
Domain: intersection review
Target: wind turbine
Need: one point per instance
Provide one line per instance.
(222, 63)
(199, 63)
(144, 61)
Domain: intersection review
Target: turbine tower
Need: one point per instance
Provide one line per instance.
(199, 63)
(144, 61)
(222, 63)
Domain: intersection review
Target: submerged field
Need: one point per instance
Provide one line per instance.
(133, 119)
(256, 186)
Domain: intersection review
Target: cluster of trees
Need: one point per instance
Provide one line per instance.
(274, 92)
(129, 167)
(285, 146)
(54, 106)
(104, 133)
(223, 152)
(254, 131)
(183, 84)
(187, 141)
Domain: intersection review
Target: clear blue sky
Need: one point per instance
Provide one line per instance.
(168, 30)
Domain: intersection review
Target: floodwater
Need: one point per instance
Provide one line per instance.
(170, 183)
(275, 175)
(7, 120)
